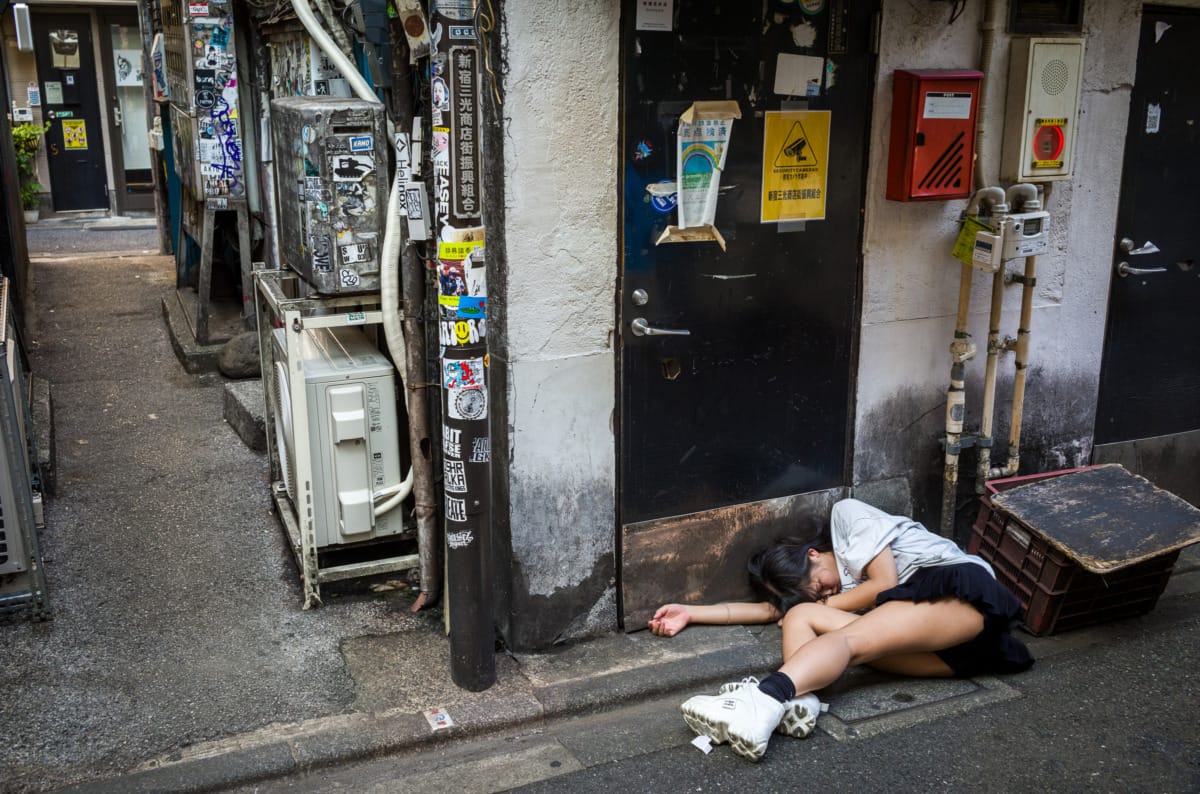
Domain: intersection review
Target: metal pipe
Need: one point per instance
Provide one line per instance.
(989, 382)
(1024, 196)
(1022, 367)
(412, 286)
(961, 351)
(987, 38)
(1029, 195)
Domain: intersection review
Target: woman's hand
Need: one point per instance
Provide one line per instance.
(669, 620)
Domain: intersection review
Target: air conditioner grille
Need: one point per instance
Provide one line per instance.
(283, 429)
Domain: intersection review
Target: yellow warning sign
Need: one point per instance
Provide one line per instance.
(795, 165)
(74, 134)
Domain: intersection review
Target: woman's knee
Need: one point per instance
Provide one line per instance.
(817, 618)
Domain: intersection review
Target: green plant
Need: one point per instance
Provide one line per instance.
(31, 194)
(27, 140)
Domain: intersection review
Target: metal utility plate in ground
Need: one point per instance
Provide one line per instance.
(1104, 518)
(865, 703)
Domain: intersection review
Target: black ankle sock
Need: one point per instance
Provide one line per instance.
(778, 686)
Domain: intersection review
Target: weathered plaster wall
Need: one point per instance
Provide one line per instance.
(910, 287)
(561, 170)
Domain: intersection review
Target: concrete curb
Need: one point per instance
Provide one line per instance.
(194, 358)
(244, 409)
(286, 749)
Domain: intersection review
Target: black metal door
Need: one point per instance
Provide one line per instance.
(1150, 375)
(755, 402)
(70, 102)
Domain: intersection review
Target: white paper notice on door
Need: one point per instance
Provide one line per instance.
(1153, 117)
(702, 143)
(655, 14)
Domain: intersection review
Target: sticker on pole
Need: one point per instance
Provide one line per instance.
(795, 165)
(467, 404)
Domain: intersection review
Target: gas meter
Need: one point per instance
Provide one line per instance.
(1025, 234)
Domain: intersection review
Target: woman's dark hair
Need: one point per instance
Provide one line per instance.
(780, 573)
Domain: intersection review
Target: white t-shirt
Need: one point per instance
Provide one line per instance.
(861, 531)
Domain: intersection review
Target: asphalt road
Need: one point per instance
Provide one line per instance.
(51, 238)
(1113, 711)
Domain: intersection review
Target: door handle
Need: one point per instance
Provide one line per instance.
(1123, 270)
(1126, 246)
(640, 327)
(118, 118)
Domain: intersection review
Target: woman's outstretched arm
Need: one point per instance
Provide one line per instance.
(671, 619)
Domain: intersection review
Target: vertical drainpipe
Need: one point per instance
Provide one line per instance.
(412, 287)
(462, 306)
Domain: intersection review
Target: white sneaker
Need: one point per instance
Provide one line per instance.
(744, 717)
(799, 714)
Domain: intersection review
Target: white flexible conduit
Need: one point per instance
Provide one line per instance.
(389, 274)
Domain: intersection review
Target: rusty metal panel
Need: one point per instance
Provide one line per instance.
(663, 563)
(1104, 518)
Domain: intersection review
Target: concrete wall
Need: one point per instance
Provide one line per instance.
(910, 283)
(561, 166)
(560, 171)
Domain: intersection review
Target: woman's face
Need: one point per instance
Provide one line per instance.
(824, 579)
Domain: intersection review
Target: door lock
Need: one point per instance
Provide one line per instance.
(1123, 270)
(640, 327)
(1126, 246)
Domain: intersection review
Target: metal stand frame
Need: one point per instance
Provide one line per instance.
(276, 309)
(23, 579)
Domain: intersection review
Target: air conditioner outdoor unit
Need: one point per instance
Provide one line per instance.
(352, 444)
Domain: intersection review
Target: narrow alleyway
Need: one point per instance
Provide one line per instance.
(179, 657)
(176, 608)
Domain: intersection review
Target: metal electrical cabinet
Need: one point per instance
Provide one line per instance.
(298, 66)
(201, 67)
(331, 180)
(932, 146)
(1045, 80)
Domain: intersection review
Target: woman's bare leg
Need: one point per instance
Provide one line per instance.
(805, 622)
(898, 629)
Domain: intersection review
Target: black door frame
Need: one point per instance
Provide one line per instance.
(143, 199)
(738, 527)
(98, 134)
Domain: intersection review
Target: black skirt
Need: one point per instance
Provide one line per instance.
(994, 649)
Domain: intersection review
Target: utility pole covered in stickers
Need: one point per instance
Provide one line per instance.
(462, 309)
